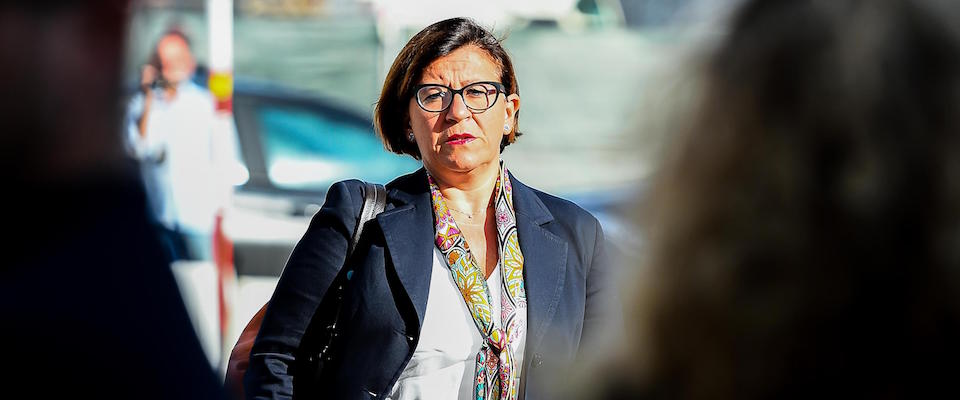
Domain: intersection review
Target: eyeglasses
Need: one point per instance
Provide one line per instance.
(478, 97)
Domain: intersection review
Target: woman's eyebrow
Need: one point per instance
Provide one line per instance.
(461, 87)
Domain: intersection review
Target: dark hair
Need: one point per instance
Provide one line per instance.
(435, 41)
(804, 235)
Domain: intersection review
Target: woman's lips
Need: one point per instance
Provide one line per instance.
(460, 139)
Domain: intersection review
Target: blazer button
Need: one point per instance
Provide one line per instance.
(537, 360)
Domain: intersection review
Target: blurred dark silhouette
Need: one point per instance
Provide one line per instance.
(90, 306)
(804, 232)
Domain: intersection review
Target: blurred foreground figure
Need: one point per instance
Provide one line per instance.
(90, 306)
(805, 230)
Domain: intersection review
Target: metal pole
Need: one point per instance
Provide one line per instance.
(220, 26)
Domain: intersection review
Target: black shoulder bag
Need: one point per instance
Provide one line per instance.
(318, 341)
(311, 362)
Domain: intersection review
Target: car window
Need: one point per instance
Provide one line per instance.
(306, 149)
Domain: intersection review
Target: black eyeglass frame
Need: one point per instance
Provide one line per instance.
(499, 86)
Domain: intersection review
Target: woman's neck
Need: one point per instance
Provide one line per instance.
(468, 192)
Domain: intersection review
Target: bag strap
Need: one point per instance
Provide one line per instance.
(374, 202)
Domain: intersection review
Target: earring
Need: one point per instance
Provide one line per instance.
(506, 127)
(410, 136)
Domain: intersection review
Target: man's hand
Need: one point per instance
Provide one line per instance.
(148, 75)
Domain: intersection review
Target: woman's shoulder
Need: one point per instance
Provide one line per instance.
(562, 210)
(414, 179)
(355, 187)
(347, 191)
(351, 191)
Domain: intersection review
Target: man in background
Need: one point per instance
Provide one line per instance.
(170, 130)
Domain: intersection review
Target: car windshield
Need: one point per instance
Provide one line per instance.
(310, 150)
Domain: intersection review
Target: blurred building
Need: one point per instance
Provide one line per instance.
(581, 64)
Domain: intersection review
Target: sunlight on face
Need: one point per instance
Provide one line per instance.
(177, 63)
(458, 140)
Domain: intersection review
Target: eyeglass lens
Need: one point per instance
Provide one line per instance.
(477, 96)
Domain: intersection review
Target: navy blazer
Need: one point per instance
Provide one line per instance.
(570, 290)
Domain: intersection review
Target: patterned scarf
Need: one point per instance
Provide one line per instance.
(497, 373)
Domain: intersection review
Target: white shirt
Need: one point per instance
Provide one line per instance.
(444, 362)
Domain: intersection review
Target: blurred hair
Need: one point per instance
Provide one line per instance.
(176, 32)
(391, 116)
(61, 67)
(804, 233)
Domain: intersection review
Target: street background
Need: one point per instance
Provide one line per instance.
(598, 82)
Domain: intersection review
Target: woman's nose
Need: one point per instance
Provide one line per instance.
(458, 110)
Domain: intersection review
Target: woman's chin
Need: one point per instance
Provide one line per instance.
(461, 164)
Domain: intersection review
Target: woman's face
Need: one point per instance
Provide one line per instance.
(458, 139)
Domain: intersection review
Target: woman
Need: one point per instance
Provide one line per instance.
(470, 282)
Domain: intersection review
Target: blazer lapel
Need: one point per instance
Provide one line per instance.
(408, 231)
(409, 235)
(544, 262)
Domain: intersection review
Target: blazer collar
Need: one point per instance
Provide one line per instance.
(411, 188)
(408, 231)
(527, 203)
(544, 264)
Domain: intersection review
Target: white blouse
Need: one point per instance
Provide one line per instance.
(443, 363)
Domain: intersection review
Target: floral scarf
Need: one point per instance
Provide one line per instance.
(497, 373)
